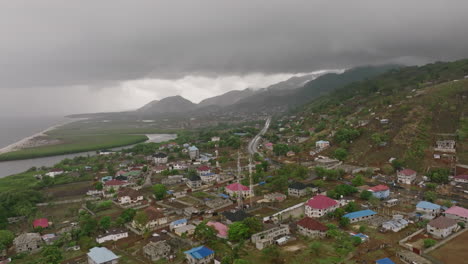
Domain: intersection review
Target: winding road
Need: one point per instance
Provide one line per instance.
(253, 145)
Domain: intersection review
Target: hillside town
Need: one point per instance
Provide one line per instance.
(212, 201)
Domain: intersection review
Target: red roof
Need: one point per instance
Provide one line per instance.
(311, 224)
(114, 183)
(41, 222)
(379, 188)
(462, 177)
(407, 172)
(237, 187)
(321, 202)
(203, 168)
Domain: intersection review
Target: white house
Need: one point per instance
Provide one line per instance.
(441, 227)
(396, 224)
(236, 189)
(321, 144)
(102, 255)
(208, 177)
(179, 166)
(428, 208)
(156, 218)
(194, 153)
(129, 196)
(406, 176)
(461, 178)
(215, 139)
(112, 235)
(320, 205)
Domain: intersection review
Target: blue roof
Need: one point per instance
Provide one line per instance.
(199, 252)
(193, 148)
(428, 205)
(384, 261)
(262, 183)
(360, 214)
(223, 195)
(179, 222)
(101, 255)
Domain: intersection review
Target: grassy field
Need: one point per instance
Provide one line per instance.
(75, 144)
(20, 181)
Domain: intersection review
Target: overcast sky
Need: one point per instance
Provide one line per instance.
(66, 57)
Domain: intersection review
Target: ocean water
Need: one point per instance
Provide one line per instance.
(15, 128)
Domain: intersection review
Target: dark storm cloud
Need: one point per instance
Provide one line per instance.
(65, 43)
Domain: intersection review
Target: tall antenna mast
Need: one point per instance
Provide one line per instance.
(251, 180)
(239, 190)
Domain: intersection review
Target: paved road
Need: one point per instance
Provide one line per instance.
(253, 145)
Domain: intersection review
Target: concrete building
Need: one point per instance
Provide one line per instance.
(194, 152)
(380, 191)
(360, 215)
(297, 189)
(28, 242)
(322, 144)
(442, 227)
(457, 213)
(406, 176)
(102, 255)
(194, 182)
(396, 224)
(129, 196)
(445, 146)
(319, 206)
(461, 178)
(199, 255)
(160, 158)
(428, 208)
(177, 223)
(235, 189)
(156, 218)
(266, 238)
(186, 229)
(157, 250)
(311, 228)
(112, 235)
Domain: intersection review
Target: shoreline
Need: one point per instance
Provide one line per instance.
(35, 140)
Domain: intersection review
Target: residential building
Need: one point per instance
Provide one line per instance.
(156, 218)
(457, 213)
(380, 191)
(236, 189)
(290, 153)
(319, 206)
(157, 250)
(221, 229)
(129, 196)
(178, 223)
(442, 227)
(461, 178)
(41, 222)
(445, 146)
(102, 255)
(409, 257)
(203, 170)
(360, 215)
(54, 172)
(186, 229)
(114, 184)
(215, 139)
(322, 144)
(275, 197)
(194, 181)
(28, 242)
(266, 238)
(311, 228)
(160, 158)
(194, 152)
(218, 203)
(199, 255)
(406, 176)
(179, 166)
(428, 208)
(396, 224)
(173, 179)
(269, 146)
(235, 216)
(208, 178)
(297, 189)
(112, 235)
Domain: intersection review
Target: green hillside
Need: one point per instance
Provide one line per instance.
(423, 105)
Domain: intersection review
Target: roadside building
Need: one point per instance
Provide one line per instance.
(406, 176)
(442, 227)
(199, 255)
(112, 235)
(457, 213)
(311, 228)
(360, 215)
(102, 255)
(157, 250)
(319, 206)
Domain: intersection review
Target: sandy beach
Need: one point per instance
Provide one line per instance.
(36, 140)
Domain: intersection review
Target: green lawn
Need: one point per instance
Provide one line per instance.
(75, 144)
